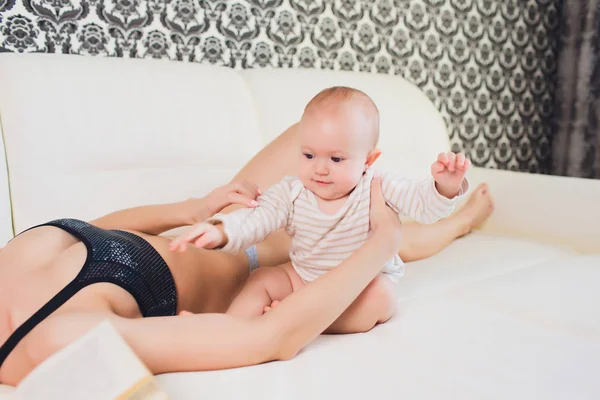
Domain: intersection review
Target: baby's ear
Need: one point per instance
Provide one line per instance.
(372, 157)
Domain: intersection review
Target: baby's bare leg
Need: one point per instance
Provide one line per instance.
(264, 286)
(375, 305)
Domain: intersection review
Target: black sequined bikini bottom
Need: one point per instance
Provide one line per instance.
(113, 256)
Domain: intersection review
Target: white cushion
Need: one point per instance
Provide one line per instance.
(550, 209)
(88, 136)
(532, 332)
(472, 258)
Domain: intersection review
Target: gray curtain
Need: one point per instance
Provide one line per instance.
(576, 141)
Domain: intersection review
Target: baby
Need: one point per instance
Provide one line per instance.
(325, 210)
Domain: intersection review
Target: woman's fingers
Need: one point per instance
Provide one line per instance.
(381, 216)
(237, 198)
(180, 243)
(244, 193)
(377, 200)
(376, 184)
(253, 188)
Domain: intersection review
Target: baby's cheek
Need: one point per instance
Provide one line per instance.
(352, 176)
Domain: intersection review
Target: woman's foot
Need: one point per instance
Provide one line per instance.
(478, 208)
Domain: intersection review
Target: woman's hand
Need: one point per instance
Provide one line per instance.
(385, 223)
(201, 235)
(242, 192)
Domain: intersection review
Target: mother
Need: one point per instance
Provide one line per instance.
(59, 280)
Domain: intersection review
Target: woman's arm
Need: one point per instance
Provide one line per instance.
(153, 219)
(159, 218)
(240, 229)
(217, 341)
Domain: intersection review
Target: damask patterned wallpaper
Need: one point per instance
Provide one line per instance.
(488, 65)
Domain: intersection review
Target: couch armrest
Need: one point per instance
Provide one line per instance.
(6, 225)
(553, 209)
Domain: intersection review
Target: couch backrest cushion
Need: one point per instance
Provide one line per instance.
(86, 135)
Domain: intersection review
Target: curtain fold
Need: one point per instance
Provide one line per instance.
(576, 138)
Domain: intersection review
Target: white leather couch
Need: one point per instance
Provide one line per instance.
(510, 312)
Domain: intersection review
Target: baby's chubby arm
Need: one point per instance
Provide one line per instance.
(428, 200)
(242, 228)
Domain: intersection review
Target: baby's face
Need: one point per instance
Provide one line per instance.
(333, 151)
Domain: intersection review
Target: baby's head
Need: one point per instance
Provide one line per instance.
(338, 134)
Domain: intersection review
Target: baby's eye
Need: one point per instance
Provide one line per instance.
(336, 159)
(309, 156)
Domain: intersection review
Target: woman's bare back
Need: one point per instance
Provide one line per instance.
(37, 264)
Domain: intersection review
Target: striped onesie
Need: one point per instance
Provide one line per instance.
(321, 241)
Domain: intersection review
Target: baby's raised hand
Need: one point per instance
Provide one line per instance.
(449, 171)
(203, 235)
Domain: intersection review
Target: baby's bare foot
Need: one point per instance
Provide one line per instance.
(184, 312)
(478, 208)
(272, 306)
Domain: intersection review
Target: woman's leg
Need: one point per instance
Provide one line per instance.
(424, 240)
(267, 167)
(420, 241)
(276, 160)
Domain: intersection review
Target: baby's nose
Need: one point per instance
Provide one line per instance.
(321, 168)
